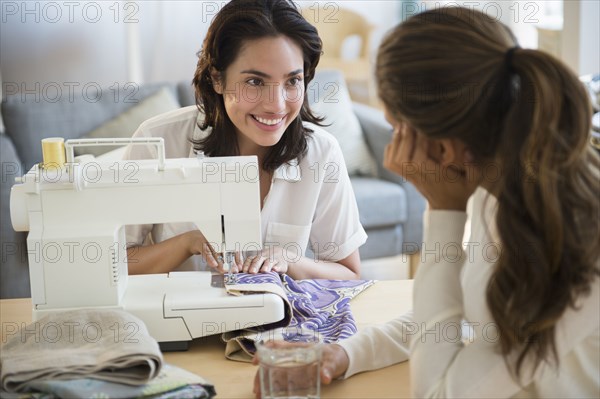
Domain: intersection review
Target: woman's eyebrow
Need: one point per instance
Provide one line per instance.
(296, 72)
(267, 76)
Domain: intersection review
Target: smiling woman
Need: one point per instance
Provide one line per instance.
(256, 61)
(252, 98)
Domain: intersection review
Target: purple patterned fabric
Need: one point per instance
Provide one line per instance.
(319, 307)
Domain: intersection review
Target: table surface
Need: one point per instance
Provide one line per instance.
(206, 356)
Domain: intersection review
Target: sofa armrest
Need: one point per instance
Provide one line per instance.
(185, 93)
(14, 273)
(378, 133)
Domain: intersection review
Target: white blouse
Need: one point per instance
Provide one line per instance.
(310, 202)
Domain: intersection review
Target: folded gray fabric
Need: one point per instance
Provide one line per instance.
(172, 382)
(104, 344)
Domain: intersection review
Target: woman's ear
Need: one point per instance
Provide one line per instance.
(449, 151)
(441, 151)
(215, 76)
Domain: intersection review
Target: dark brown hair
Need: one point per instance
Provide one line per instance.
(236, 23)
(449, 73)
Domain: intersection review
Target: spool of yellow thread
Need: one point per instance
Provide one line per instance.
(53, 153)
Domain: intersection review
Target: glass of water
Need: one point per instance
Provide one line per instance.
(289, 370)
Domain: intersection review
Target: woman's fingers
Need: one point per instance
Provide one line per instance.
(253, 264)
(264, 262)
(390, 150)
(400, 151)
(238, 260)
(267, 265)
(256, 388)
(197, 244)
(334, 363)
(213, 259)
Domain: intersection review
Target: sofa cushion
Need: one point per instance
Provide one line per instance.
(329, 97)
(382, 242)
(381, 203)
(29, 118)
(124, 125)
(1, 120)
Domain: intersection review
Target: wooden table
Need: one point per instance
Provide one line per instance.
(381, 302)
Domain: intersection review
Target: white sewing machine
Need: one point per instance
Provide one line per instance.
(75, 212)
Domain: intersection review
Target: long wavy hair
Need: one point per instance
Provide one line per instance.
(236, 23)
(446, 73)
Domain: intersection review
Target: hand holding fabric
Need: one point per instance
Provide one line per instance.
(198, 245)
(270, 259)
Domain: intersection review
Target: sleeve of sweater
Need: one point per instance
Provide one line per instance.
(441, 365)
(381, 346)
(376, 347)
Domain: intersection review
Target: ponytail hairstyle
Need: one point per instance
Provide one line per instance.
(457, 73)
(236, 23)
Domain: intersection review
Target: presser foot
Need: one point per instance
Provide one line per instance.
(220, 280)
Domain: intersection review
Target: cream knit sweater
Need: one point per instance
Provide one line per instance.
(451, 338)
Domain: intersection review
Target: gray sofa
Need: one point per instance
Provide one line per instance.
(390, 209)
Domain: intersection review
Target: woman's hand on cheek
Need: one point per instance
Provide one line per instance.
(397, 157)
(445, 184)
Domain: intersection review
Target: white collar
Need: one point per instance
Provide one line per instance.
(290, 171)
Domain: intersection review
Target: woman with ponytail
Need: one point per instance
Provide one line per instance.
(514, 310)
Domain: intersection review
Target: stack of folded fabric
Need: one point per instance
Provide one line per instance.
(101, 353)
